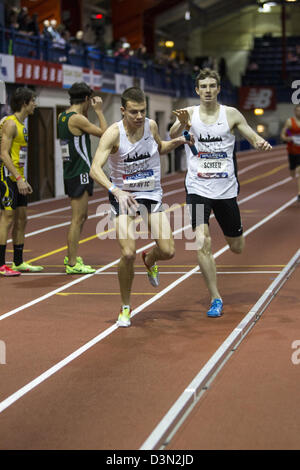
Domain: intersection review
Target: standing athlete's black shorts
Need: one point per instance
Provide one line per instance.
(10, 196)
(75, 187)
(294, 161)
(226, 212)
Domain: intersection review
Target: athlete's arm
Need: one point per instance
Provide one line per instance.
(237, 120)
(182, 123)
(78, 123)
(108, 144)
(8, 133)
(166, 146)
(283, 135)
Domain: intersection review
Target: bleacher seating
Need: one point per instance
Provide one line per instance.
(267, 55)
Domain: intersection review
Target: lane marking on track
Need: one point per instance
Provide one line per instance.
(264, 175)
(144, 273)
(103, 293)
(182, 266)
(48, 373)
(113, 263)
(174, 418)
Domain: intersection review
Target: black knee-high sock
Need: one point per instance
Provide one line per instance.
(18, 254)
(2, 254)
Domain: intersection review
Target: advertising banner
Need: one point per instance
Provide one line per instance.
(37, 72)
(251, 97)
(71, 74)
(7, 68)
(93, 78)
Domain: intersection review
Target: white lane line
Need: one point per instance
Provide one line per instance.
(160, 272)
(172, 420)
(83, 278)
(44, 376)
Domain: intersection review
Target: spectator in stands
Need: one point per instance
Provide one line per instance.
(124, 51)
(34, 25)
(77, 44)
(23, 18)
(142, 54)
(12, 19)
(46, 33)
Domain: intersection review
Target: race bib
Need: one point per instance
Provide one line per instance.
(141, 181)
(212, 165)
(65, 153)
(296, 139)
(84, 178)
(22, 156)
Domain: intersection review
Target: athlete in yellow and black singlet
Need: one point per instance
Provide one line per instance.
(13, 185)
(10, 197)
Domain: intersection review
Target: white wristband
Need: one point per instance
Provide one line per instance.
(113, 186)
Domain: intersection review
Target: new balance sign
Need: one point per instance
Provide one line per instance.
(257, 97)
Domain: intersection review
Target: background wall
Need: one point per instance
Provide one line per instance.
(232, 37)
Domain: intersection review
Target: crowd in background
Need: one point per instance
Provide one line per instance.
(20, 21)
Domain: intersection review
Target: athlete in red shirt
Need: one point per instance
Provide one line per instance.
(291, 134)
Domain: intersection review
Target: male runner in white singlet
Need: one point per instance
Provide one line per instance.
(211, 180)
(133, 146)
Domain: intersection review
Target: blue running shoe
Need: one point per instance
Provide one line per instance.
(215, 308)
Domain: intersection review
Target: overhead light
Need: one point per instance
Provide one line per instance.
(258, 111)
(266, 7)
(260, 128)
(169, 44)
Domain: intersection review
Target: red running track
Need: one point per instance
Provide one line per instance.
(73, 380)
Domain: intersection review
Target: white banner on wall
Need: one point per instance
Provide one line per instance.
(71, 74)
(7, 68)
(123, 82)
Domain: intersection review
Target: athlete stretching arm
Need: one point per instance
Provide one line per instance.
(238, 121)
(166, 146)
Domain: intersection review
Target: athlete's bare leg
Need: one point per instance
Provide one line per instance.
(161, 232)
(79, 215)
(7, 218)
(297, 176)
(125, 235)
(236, 244)
(20, 221)
(206, 260)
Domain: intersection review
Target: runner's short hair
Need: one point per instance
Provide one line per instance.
(21, 96)
(78, 92)
(132, 94)
(208, 73)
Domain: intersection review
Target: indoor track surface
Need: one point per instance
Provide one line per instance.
(176, 379)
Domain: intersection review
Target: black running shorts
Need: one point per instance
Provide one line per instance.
(145, 205)
(75, 187)
(294, 161)
(10, 196)
(226, 212)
